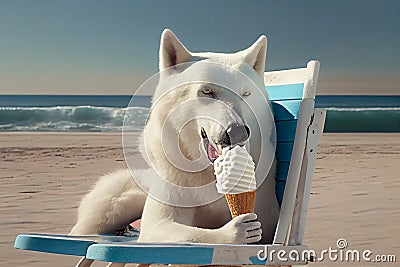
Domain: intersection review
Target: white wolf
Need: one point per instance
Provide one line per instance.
(117, 200)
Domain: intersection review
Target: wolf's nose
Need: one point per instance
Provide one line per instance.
(235, 133)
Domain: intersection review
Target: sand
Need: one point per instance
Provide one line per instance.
(43, 176)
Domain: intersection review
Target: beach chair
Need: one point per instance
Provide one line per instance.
(299, 126)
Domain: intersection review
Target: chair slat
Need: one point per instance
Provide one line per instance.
(285, 102)
(285, 130)
(286, 109)
(56, 244)
(64, 244)
(282, 171)
(284, 151)
(279, 190)
(145, 254)
(285, 92)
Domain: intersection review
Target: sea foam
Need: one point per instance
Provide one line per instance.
(70, 118)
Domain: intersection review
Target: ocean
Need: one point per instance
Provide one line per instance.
(105, 113)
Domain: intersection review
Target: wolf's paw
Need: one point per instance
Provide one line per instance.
(243, 229)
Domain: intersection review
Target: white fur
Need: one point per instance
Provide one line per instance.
(116, 200)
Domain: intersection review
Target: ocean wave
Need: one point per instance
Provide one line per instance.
(70, 118)
(105, 119)
(363, 119)
(365, 109)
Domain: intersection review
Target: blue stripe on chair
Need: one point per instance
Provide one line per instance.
(147, 254)
(286, 110)
(285, 130)
(57, 244)
(279, 190)
(282, 171)
(284, 151)
(285, 92)
(256, 261)
(286, 113)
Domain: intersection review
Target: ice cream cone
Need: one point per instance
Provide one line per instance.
(241, 203)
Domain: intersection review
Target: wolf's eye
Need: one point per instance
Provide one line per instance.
(207, 91)
(246, 93)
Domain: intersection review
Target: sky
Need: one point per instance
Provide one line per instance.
(111, 47)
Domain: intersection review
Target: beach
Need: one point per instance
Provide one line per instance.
(355, 193)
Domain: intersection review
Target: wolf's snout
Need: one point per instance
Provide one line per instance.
(235, 134)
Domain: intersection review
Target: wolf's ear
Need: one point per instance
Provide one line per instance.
(255, 54)
(172, 51)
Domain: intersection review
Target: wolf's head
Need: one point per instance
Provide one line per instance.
(207, 101)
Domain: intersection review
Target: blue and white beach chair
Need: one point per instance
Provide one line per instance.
(299, 126)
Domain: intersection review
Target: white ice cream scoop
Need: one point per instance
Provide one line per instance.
(234, 170)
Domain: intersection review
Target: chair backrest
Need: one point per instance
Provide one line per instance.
(292, 94)
(286, 90)
(285, 103)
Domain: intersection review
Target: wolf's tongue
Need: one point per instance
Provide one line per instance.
(212, 153)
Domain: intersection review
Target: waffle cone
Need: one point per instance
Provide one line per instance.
(241, 203)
